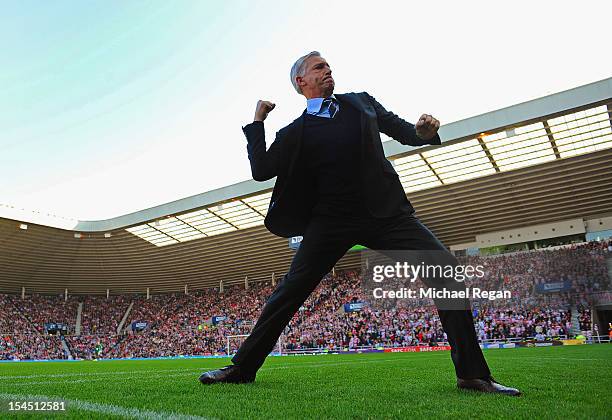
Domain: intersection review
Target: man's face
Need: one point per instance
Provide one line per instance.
(317, 81)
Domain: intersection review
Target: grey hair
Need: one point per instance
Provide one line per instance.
(299, 68)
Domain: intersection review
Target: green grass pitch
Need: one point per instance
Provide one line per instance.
(567, 381)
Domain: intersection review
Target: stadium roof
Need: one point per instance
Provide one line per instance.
(539, 161)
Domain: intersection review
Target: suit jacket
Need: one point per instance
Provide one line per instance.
(293, 197)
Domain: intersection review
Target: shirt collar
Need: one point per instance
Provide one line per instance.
(313, 105)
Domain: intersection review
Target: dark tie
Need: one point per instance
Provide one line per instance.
(332, 107)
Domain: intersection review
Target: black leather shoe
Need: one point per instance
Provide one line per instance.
(487, 385)
(229, 374)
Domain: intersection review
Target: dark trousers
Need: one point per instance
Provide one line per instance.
(325, 241)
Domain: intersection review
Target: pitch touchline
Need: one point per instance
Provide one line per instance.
(108, 409)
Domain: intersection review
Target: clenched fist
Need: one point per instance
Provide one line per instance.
(427, 127)
(263, 109)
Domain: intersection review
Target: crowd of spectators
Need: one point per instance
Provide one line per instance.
(199, 323)
(102, 316)
(12, 319)
(40, 310)
(496, 324)
(31, 346)
(181, 324)
(20, 338)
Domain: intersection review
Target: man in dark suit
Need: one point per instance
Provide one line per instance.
(336, 188)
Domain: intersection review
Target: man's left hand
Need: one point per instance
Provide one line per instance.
(427, 127)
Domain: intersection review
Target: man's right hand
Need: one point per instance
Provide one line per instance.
(263, 109)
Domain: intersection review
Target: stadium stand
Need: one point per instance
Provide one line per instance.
(182, 324)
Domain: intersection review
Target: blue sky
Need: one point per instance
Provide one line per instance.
(109, 107)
